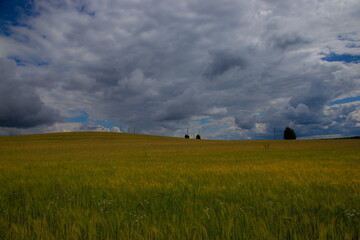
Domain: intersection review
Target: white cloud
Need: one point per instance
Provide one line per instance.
(115, 129)
(216, 111)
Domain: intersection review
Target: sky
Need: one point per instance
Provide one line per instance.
(231, 69)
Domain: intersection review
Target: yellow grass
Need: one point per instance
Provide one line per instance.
(125, 186)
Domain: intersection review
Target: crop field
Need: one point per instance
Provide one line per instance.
(127, 186)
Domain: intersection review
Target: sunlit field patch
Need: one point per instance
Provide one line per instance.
(126, 186)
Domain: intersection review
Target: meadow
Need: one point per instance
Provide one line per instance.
(127, 186)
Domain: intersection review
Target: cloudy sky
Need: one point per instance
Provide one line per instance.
(231, 69)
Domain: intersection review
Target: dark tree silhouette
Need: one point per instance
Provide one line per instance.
(198, 136)
(289, 133)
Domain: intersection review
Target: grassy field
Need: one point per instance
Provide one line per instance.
(125, 186)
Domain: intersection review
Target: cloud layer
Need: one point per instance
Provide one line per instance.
(234, 69)
(20, 105)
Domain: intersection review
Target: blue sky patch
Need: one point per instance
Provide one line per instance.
(348, 58)
(19, 61)
(23, 62)
(204, 121)
(344, 100)
(108, 123)
(84, 117)
(12, 12)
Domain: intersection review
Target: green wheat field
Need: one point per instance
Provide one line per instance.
(127, 186)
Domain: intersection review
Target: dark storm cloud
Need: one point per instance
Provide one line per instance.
(315, 97)
(20, 106)
(245, 122)
(222, 62)
(181, 107)
(163, 65)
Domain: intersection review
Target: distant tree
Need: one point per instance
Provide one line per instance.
(289, 133)
(198, 136)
